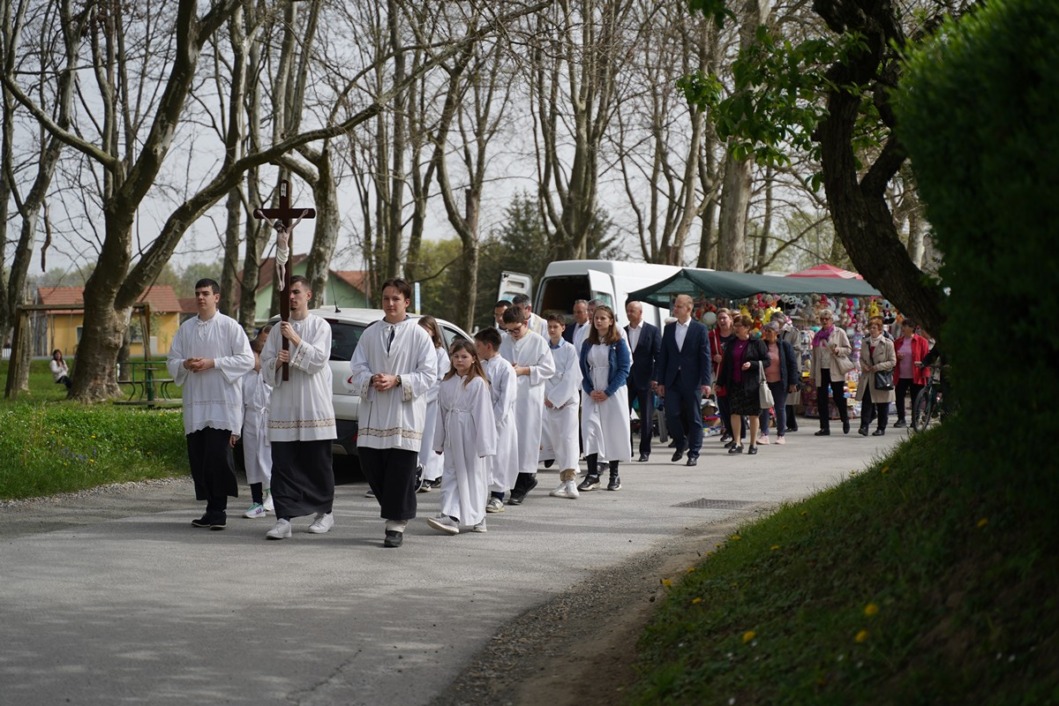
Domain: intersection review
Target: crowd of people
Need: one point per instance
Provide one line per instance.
(476, 420)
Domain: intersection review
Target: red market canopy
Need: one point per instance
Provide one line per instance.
(825, 270)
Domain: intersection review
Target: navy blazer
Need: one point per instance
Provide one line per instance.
(693, 361)
(644, 357)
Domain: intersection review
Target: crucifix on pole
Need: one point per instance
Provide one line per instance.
(281, 221)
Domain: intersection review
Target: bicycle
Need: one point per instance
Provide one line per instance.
(927, 406)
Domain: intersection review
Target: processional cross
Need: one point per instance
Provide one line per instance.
(281, 221)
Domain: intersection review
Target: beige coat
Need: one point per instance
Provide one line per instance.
(885, 359)
(841, 340)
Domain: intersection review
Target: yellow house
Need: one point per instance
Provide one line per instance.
(64, 326)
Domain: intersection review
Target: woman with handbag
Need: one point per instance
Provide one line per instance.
(909, 376)
(831, 362)
(740, 373)
(781, 375)
(877, 362)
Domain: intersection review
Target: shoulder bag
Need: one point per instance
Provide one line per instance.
(884, 379)
(764, 394)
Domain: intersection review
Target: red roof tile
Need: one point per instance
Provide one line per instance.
(161, 297)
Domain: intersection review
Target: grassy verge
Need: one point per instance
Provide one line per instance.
(51, 446)
(909, 583)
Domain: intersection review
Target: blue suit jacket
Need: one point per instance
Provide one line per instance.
(693, 361)
(645, 356)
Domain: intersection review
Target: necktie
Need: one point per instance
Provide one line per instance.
(389, 339)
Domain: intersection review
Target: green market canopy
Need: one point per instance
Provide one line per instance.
(740, 285)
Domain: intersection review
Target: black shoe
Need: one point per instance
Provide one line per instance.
(692, 461)
(879, 432)
(673, 444)
(726, 437)
(516, 498)
(677, 455)
(793, 427)
(900, 424)
(218, 522)
(845, 426)
(863, 431)
(643, 458)
(823, 432)
(529, 486)
(203, 522)
(549, 463)
(615, 483)
(589, 483)
(737, 449)
(752, 450)
(393, 539)
(730, 444)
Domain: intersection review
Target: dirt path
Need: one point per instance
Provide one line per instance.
(580, 647)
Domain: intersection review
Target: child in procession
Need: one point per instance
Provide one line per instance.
(503, 388)
(257, 452)
(466, 434)
(561, 404)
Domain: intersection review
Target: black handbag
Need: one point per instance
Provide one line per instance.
(884, 379)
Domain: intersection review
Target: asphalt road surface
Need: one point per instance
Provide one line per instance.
(112, 597)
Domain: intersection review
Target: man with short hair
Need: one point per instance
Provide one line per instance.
(577, 332)
(498, 314)
(393, 366)
(536, 324)
(645, 341)
(683, 373)
(532, 361)
(208, 358)
(301, 424)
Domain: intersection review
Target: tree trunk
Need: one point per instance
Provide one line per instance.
(325, 234)
(230, 266)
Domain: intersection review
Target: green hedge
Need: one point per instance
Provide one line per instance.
(978, 110)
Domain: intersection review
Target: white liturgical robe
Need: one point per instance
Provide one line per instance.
(212, 398)
(301, 407)
(466, 432)
(530, 351)
(563, 390)
(503, 389)
(394, 418)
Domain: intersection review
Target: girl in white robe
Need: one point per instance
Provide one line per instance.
(605, 428)
(561, 405)
(430, 463)
(466, 433)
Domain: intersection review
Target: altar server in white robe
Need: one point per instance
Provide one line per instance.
(431, 464)
(208, 358)
(605, 364)
(393, 367)
(503, 389)
(466, 434)
(301, 426)
(561, 405)
(257, 451)
(532, 361)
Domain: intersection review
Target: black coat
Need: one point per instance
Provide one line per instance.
(756, 350)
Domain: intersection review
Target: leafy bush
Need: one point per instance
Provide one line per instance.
(978, 110)
(59, 447)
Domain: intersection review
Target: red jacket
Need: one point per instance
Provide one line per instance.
(920, 347)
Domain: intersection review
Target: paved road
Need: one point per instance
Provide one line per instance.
(143, 608)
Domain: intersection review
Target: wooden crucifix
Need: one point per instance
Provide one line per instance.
(280, 219)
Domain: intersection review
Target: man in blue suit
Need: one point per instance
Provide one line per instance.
(645, 341)
(684, 374)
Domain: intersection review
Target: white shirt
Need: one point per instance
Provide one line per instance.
(681, 333)
(301, 408)
(634, 335)
(212, 398)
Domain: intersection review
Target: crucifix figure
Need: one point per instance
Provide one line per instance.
(281, 221)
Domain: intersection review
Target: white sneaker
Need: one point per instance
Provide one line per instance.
(494, 505)
(269, 506)
(763, 440)
(445, 525)
(571, 490)
(256, 510)
(280, 531)
(560, 490)
(323, 523)
(480, 527)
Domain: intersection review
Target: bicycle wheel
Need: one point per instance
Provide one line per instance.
(923, 409)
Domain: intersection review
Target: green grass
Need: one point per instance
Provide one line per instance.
(910, 583)
(50, 445)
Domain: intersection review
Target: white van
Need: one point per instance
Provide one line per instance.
(566, 281)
